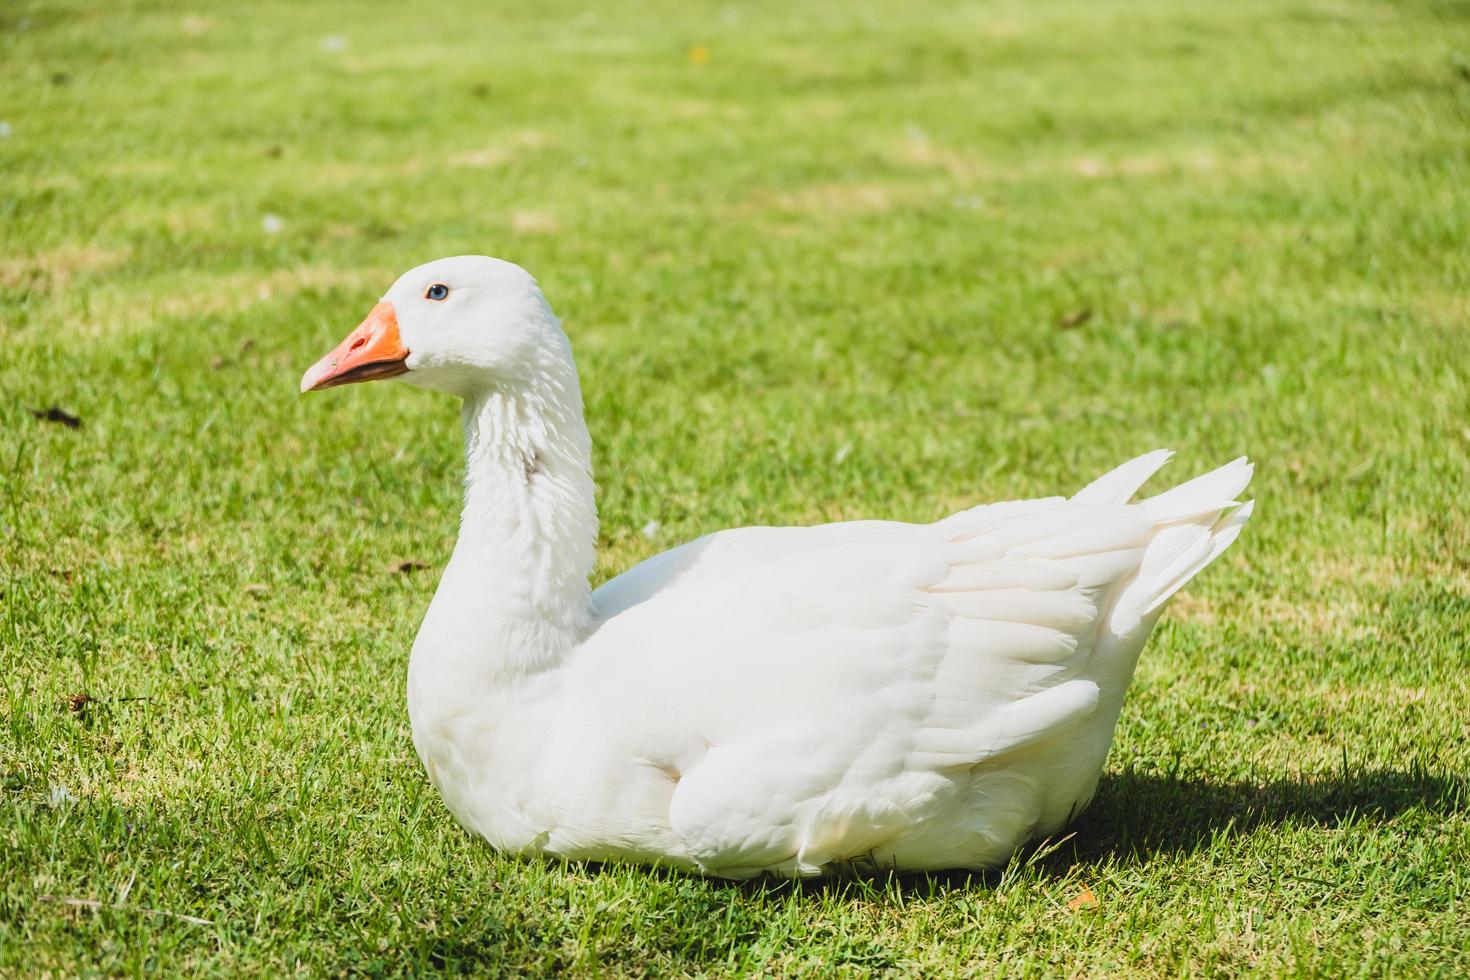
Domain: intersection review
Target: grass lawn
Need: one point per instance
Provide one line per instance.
(818, 262)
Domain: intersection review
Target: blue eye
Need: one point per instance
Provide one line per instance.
(437, 291)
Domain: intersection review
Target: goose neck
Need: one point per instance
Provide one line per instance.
(515, 597)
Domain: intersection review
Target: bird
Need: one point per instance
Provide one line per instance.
(861, 696)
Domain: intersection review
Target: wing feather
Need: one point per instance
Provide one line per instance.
(812, 687)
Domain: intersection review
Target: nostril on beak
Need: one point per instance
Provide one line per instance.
(358, 343)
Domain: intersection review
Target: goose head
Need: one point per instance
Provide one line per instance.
(464, 325)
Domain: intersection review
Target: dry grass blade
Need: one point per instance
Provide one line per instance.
(96, 906)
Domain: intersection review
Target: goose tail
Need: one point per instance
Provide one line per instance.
(1193, 525)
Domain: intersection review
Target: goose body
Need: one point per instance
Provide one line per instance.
(766, 699)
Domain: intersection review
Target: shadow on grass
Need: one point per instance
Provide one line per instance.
(1141, 814)
(1137, 816)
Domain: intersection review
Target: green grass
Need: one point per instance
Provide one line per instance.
(818, 262)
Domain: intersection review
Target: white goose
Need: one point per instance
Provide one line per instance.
(764, 699)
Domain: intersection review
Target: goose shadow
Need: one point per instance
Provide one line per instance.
(1134, 818)
(1138, 816)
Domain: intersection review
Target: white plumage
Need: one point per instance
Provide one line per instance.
(763, 699)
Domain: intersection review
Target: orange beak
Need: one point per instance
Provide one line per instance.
(372, 351)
